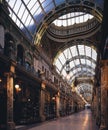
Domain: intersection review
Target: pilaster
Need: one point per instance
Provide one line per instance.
(42, 102)
(104, 94)
(10, 87)
(98, 105)
(57, 105)
(94, 105)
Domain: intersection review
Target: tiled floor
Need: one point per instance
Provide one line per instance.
(78, 121)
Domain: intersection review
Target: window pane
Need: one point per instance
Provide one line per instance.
(88, 51)
(93, 65)
(59, 2)
(74, 51)
(58, 64)
(83, 61)
(77, 62)
(67, 54)
(81, 49)
(72, 64)
(62, 58)
(63, 73)
(88, 62)
(94, 54)
(49, 7)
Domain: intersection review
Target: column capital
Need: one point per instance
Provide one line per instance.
(10, 74)
(43, 85)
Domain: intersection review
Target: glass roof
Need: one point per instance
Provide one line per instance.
(85, 90)
(72, 18)
(82, 61)
(28, 14)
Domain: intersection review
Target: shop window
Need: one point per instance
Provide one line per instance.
(20, 54)
(9, 44)
(42, 68)
(27, 65)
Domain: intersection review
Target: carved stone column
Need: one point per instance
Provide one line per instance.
(10, 87)
(98, 105)
(57, 105)
(104, 94)
(42, 102)
(94, 105)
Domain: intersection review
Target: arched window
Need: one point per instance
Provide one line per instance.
(27, 65)
(9, 44)
(20, 54)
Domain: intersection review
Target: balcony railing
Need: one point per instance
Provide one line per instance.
(60, 32)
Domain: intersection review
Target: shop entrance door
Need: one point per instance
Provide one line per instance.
(3, 107)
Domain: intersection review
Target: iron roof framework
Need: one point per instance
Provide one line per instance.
(82, 59)
(33, 15)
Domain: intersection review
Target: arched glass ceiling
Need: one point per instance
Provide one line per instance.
(84, 88)
(72, 18)
(85, 91)
(82, 60)
(28, 14)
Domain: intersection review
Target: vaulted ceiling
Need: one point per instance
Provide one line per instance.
(66, 30)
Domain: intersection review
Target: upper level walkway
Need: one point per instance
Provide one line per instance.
(78, 121)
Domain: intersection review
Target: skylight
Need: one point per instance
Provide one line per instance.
(72, 18)
(28, 14)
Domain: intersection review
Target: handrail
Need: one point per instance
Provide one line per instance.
(74, 29)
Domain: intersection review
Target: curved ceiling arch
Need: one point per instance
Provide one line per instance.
(72, 18)
(85, 90)
(79, 57)
(76, 31)
(33, 17)
(80, 74)
(66, 45)
(67, 8)
(88, 72)
(82, 67)
(85, 86)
